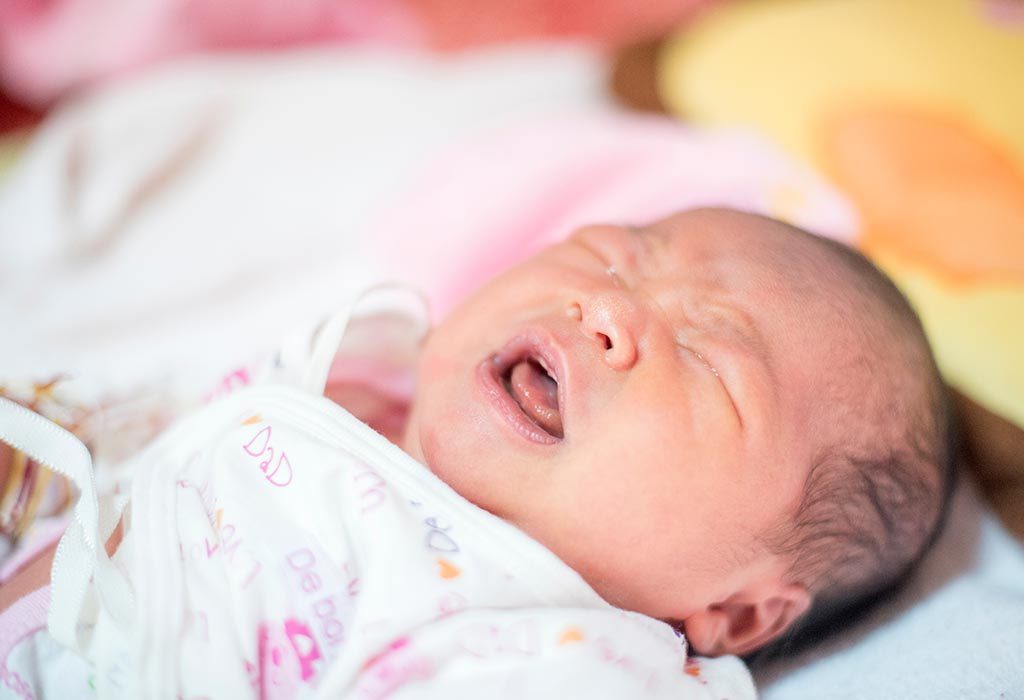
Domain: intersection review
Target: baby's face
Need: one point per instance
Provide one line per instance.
(636, 400)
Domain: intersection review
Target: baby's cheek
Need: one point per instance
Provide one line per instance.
(608, 495)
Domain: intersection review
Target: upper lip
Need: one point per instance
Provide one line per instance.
(539, 344)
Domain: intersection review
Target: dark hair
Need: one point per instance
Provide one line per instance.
(872, 507)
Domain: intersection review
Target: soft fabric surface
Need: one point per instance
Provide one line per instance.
(11, 146)
(495, 199)
(158, 233)
(50, 49)
(172, 225)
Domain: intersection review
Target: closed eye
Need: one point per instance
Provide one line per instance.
(717, 375)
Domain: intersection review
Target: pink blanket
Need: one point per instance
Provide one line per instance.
(496, 199)
(52, 47)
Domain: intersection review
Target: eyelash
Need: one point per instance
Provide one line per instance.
(707, 364)
(703, 360)
(714, 370)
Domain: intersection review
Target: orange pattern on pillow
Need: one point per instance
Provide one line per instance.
(931, 189)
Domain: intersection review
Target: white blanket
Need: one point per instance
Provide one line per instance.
(165, 226)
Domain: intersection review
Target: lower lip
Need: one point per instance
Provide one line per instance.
(507, 407)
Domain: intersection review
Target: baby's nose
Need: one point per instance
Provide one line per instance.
(612, 318)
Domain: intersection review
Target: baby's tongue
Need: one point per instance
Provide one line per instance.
(537, 394)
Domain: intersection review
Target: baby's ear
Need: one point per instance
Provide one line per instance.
(747, 620)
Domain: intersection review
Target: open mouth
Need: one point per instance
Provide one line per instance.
(523, 383)
(534, 388)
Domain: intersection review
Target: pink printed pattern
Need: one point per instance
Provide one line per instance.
(24, 618)
(392, 668)
(277, 474)
(287, 655)
(322, 606)
(230, 383)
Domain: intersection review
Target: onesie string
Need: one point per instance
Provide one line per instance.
(312, 357)
(81, 553)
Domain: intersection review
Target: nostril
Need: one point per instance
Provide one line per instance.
(607, 341)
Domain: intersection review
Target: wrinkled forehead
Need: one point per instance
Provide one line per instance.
(749, 258)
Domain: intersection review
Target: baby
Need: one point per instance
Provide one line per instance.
(725, 422)
(717, 421)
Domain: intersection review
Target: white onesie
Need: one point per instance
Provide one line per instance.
(277, 547)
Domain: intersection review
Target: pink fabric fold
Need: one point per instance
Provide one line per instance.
(50, 47)
(494, 200)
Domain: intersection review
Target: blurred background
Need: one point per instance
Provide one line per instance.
(182, 179)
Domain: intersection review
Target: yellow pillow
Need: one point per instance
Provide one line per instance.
(11, 146)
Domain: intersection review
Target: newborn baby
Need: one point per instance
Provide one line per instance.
(718, 425)
(718, 420)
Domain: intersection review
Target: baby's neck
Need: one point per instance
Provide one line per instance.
(384, 413)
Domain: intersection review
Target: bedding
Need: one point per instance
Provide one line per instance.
(190, 204)
(10, 148)
(175, 218)
(52, 49)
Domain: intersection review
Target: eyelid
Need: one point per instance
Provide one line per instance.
(682, 343)
(714, 371)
